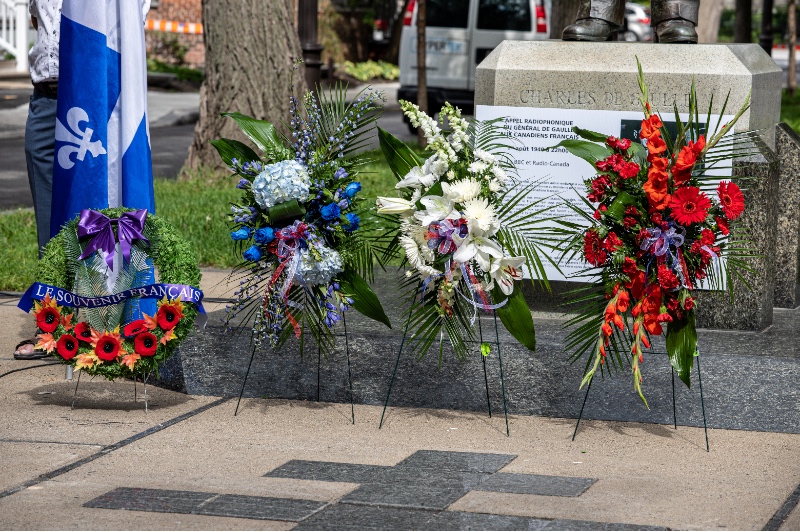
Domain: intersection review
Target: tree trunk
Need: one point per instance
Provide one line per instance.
(562, 15)
(709, 20)
(250, 52)
(422, 71)
(743, 23)
(791, 29)
(393, 50)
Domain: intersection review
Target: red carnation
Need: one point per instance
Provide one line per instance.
(83, 332)
(688, 303)
(666, 278)
(722, 225)
(593, 248)
(107, 347)
(731, 199)
(612, 242)
(134, 328)
(629, 267)
(629, 170)
(689, 205)
(47, 319)
(145, 344)
(168, 316)
(707, 237)
(67, 346)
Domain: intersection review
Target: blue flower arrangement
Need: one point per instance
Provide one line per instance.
(299, 223)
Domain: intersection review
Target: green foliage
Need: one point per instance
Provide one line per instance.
(370, 70)
(183, 73)
(18, 250)
(516, 317)
(682, 346)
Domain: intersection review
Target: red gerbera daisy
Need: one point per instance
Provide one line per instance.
(67, 346)
(722, 225)
(593, 248)
(47, 319)
(168, 316)
(107, 347)
(145, 344)
(83, 332)
(689, 206)
(134, 328)
(731, 199)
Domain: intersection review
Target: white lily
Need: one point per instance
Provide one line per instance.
(417, 178)
(505, 271)
(394, 206)
(438, 208)
(477, 246)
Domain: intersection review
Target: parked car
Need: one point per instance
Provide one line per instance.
(637, 23)
(459, 35)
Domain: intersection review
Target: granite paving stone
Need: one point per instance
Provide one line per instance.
(410, 495)
(537, 484)
(351, 517)
(456, 461)
(430, 478)
(476, 521)
(268, 508)
(327, 471)
(570, 524)
(150, 500)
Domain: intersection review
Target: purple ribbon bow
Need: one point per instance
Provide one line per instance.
(96, 224)
(658, 242)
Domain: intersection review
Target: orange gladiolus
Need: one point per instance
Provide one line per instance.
(650, 126)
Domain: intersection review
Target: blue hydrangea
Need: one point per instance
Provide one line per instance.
(265, 235)
(241, 234)
(352, 189)
(280, 182)
(319, 272)
(253, 253)
(354, 224)
(330, 212)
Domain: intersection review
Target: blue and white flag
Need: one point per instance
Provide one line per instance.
(102, 148)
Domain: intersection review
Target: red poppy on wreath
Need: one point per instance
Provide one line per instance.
(83, 332)
(67, 346)
(689, 206)
(47, 318)
(107, 347)
(145, 344)
(593, 248)
(134, 328)
(169, 314)
(731, 198)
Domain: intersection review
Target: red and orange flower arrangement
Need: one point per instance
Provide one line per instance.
(91, 348)
(660, 226)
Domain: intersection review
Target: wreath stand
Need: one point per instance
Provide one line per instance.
(319, 371)
(135, 397)
(674, 411)
(480, 341)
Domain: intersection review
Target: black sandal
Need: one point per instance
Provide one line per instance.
(35, 355)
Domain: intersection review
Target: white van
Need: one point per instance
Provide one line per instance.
(459, 35)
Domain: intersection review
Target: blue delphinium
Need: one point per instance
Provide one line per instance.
(330, 212)
(280, 182)
(265, 235)
(243, 184)
(253, 253)
(242, 233)
(352, 189)
(341, 173)
(354, 224)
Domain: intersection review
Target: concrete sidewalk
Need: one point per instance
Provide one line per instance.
(100, 466)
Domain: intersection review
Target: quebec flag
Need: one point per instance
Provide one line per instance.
(102, 148)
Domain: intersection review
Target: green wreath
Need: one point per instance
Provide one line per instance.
(102, 344)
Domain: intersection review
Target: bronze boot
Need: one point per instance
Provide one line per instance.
(597, 20)
(674, 21)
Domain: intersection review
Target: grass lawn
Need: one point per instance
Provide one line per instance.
(197, 208)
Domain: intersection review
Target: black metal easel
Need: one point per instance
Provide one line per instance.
(674, 411)
(319, 372)
(485, 375)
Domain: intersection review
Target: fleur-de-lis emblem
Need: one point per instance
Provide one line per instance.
(79, 140)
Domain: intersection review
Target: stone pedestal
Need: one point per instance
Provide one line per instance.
(603, 76)
(787, 254)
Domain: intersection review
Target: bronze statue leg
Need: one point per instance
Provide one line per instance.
(674, 21)
(597, 20)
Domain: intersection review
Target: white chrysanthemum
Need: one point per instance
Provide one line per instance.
(462, 190)
(280, 182)
(484, 156)
(495, 186)
(478, 166)
(481, 213)
(416, 195)
(415, 232)
(500, 174)
(415, 257)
